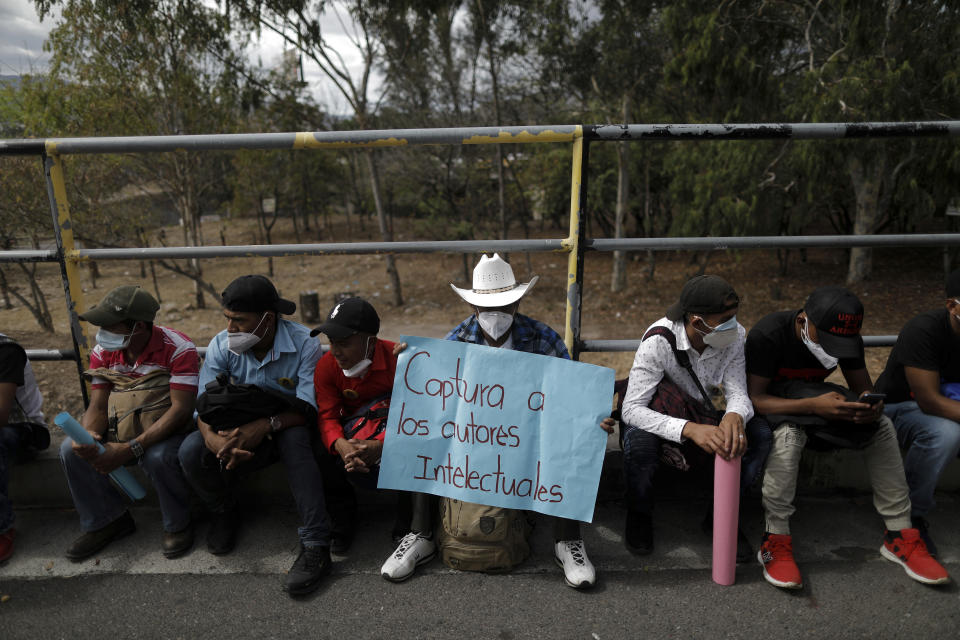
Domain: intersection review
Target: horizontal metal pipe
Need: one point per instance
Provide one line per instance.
(599, 346)
(768, 131)
(478, 246)
(332, 248)
(595, 346)
(56, 355)
(28, 256)
(294, 140)
(775, 242)
(50, 355)
(479, 135)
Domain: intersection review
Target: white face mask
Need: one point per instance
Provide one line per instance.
(495, 323)
(955, 315)
(724, 334)
(827, 360)
(241, 341)
(361, 367)
(110, 341)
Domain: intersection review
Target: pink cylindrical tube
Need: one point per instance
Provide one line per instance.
(726, 510)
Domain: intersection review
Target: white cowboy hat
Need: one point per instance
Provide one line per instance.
(494, 284)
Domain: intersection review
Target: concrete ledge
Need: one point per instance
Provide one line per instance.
(41, 482)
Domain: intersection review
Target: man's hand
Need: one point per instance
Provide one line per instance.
(114, 456)
(833, 406)
(398, 348)
(869, 413)
(213, 440)
(706, 436)
(344, 447)
(247, 437)
(88, 451)
(607, 424)
(365, 455)
(240, 442)
(734, 437)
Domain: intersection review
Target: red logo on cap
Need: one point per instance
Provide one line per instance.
(848, 324)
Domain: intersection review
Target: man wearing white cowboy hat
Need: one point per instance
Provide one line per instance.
(495, 322)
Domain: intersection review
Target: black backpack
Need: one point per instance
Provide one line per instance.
(226, 405)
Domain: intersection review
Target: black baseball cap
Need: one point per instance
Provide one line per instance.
(348, 317)
(953, 284)
(255, 293)
(702, 295)
(838, 316)
(128, 302)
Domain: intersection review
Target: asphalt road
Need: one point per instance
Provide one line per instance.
(131, 591)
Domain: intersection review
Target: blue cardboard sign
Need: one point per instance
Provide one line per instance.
(497, 427)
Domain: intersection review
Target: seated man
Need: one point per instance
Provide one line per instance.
(704, 325)
(922, 383)
(789, 355)
(20, 407)
(130, 347)
(353, 382)
(260, 348)
(495, 322)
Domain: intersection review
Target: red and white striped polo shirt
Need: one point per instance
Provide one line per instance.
(168, 350)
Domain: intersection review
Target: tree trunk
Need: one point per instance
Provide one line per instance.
(867, 183)
(384, 230)
(501, 192)
(618, 277)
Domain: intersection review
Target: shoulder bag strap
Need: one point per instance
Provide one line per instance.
(682, 359)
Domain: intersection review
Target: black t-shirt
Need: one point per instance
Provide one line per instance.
(12, 361)
(774, 351)
(926, 342)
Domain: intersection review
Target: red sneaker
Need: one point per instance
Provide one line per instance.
(776, 556)
(908, 549)
(6, 543)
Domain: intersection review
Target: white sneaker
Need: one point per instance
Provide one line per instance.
(412, 551)
(578, 571)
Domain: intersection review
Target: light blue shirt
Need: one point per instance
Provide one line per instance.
(287, 368)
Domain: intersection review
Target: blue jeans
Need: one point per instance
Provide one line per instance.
(931, 442)
(292, 446)
(641, 458)
(99, 503)
(9, 447)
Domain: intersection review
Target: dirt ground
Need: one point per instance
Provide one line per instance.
(904, 283)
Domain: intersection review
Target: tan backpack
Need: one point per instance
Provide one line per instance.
(476, 537)
(134, 403)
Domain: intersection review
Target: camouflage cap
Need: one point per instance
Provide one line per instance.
(128, 302)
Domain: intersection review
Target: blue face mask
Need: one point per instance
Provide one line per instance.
(721, 335)
(110, 341)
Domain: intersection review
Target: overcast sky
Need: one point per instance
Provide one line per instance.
(22, 35)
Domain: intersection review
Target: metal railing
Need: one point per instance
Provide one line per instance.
(576, 245)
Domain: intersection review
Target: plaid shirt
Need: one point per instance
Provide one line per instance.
(528, 335)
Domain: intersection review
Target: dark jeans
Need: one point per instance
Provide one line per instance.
(339, 487)
(294, 447)
(9, 449)
(641, 459)
(97, 501)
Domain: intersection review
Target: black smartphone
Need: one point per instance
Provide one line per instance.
(873, 398)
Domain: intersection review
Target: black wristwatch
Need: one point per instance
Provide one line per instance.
(136, 448)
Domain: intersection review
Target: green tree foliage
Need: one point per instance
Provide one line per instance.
(154, 68)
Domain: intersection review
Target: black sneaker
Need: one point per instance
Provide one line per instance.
(638, 533)
(310, 566)
(341, 538)
(222, 535)
(920, 524)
